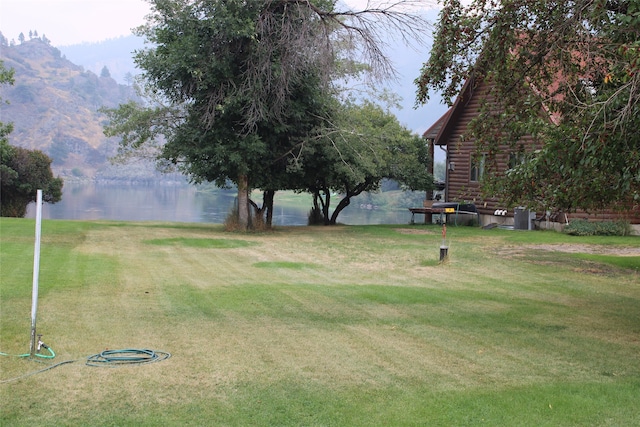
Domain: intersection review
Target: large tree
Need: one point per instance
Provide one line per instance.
(240, 85)
(365, 145)
(565, 72)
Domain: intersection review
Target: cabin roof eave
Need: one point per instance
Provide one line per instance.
(441, 129)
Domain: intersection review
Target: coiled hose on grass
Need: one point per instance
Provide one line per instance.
(127, 356)
(108, 358)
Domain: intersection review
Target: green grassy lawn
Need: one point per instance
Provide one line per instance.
(321, 326)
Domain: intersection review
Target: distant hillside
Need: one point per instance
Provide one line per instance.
(115, 54)
(54, 107)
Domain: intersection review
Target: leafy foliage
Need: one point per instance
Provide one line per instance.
(580, 227)
(368, 144)
(228, 110)
(6, 77)
(22, 173)
(565, 73)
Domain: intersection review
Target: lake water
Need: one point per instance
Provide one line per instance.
(184, 203)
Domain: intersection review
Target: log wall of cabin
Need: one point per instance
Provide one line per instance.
(460, 188)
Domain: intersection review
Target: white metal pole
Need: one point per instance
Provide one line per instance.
(36, 271)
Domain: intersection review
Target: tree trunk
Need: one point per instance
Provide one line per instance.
(243, 202)
(325, 206)
(267, 203)
(346, 201)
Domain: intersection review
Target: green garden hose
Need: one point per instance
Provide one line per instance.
(51, 354)
(108, 358)
(128, 356)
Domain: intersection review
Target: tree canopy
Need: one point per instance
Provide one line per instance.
(566, 73)
(366, 145)
(22, 173)
(237, 88)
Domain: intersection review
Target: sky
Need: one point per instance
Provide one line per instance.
(68, 22)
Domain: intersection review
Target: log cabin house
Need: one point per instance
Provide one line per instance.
(464, 170)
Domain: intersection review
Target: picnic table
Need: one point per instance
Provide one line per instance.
(443, 208)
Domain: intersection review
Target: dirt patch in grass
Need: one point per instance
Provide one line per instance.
(588, 249)
(574, 249)
(590, 259)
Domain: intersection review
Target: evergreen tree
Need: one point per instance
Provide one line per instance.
(105, 72)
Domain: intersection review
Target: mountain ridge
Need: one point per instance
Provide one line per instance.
(54, 106)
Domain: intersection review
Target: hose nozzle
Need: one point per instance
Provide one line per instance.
(41, 344)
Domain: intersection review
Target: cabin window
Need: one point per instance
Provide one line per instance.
(476, 171)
